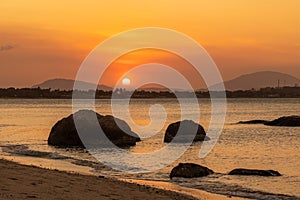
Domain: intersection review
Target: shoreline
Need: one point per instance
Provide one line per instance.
(196, 193)
(21, 181)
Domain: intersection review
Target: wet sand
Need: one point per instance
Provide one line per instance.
(28, 182)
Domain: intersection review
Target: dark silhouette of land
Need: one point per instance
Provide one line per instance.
(264, 84)
(68, 84)
(260, 79)
(255, 80)
(269, 92)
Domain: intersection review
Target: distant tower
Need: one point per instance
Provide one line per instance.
(278, 83)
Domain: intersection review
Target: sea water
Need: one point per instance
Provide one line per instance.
(25, 125)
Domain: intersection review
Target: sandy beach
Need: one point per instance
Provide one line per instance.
(28, 182)
(19, 181)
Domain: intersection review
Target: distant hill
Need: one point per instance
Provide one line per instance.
(67, 84)
(152, 87)
(260, 80)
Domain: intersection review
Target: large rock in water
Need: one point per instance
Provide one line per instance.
(285, 121)
(191, 131)
(254, 172)
(64, 133)
(190, 170)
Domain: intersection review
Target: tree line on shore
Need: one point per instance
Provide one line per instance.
(269, 92)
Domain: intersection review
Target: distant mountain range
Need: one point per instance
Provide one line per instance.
(260, 80)
(244, 82)
(67, 84)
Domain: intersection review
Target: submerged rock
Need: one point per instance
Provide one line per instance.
(282, 121)
(64, 133)
(190, 170)
(285, 121)
(254, 172)
(189, 128)
(256, 121)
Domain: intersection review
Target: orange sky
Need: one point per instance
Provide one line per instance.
(40, 40)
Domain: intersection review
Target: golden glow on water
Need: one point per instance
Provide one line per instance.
(249, 146)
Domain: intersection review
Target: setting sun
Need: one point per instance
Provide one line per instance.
(126, 81)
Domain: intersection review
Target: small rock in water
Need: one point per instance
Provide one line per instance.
(254, 172)
(256, 121)
(293, 121)
(190, 170)
(285, 121)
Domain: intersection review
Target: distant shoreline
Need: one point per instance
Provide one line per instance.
(151, 98)
(38, 93)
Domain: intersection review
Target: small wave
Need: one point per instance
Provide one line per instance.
(6, 125)
(23, 150)
(95, 165)
(232, 190)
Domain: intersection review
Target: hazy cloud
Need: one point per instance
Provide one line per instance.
(6, 47)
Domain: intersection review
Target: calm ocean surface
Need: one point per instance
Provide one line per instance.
(25, 125)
